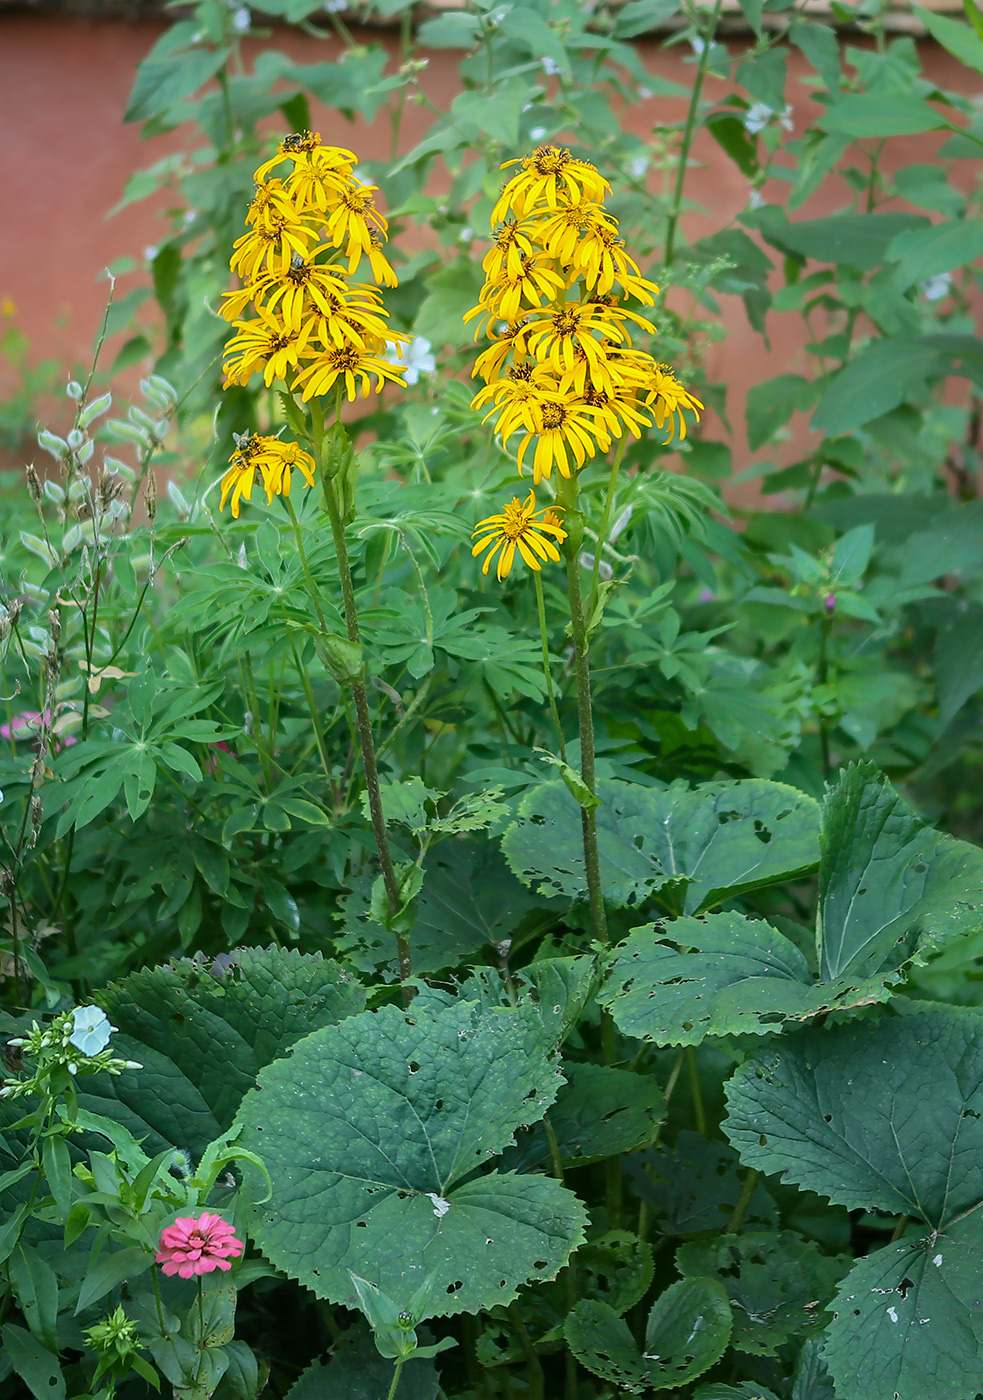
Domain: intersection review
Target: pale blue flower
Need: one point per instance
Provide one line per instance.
(413, 359)
(90, 1030)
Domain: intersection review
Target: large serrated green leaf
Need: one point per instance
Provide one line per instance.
(724, 974)
(372, 1131)
(887, 1115)
(601, 1342)
(889, 885)
(693, 847)
(908, 1322)
(202, 1035)
(779, 1285)
(882, 1115)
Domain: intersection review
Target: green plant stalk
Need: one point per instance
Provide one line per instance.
(396, 1375)
(363, 723)
(547, 669)
(567, 497)
(602, 533)
(743, 1201)
(689, 131)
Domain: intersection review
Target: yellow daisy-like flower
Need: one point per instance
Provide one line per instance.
(667, 399)
(273, 459)
(296, 146)
(520, 527)
(513, 242)
(349, 224)
(264, 344)
(353, 366)
(566, 429)
(269, 204)
(574, 340)
(551, 175)
(507, 297)
(490, 363)
(382, 269)
(516, 399)
(321, 177)
(271, 246)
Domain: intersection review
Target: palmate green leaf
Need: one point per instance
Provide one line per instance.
(693, 847)
(779, 1285)
(890, 886)
(687, 1331)
(723, 974)
(201, 1036)
(372, 1131)
(886, 1115)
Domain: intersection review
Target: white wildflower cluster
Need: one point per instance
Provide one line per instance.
(75, 1042)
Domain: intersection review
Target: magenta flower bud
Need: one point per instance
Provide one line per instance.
(829, 602)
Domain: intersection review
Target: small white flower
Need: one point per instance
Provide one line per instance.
(937, 287)
(90, 1029)
(413, 359)
(241, 19)
(550, 67)
(757, 117)
(645, 93)
(698, 46)
(466, 235)
(638, 166)
(537, 132)
(755, 200)
(150, 252)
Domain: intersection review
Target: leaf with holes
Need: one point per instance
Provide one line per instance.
(890, 886)
(692, 847)
(201, 1035)
(724, 974)
(885, 1115)
(599, 1112)
(695, 1185)
(373, 1131)
(687, 1330)
(779, 1285)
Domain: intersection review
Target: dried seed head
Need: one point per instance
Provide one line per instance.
(34, 486)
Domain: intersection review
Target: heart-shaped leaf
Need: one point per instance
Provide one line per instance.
(373, 1130)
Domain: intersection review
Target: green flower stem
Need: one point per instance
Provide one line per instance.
(602, 533)
(689, 131)
(396, 1375)
(305, 566)
(567, 497)
(547, 669)
(363, 723)
(699, 1112)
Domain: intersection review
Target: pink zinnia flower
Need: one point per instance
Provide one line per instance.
(198, 1245)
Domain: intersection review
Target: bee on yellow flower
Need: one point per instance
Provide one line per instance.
(273, 459)
(521, 528)
(551, 175)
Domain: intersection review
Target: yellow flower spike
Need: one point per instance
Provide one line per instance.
(320, 178)
(519, 527)
(349, 224)
(513, 242)
(551, 175)
(575, 340)
(503, 298)
(264, 344)
(270, 203)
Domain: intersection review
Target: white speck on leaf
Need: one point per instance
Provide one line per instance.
(440, 1206)
(892, 1314)
(937, 1261)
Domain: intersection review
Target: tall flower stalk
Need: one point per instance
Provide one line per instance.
(300, 318)
(561, 374)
